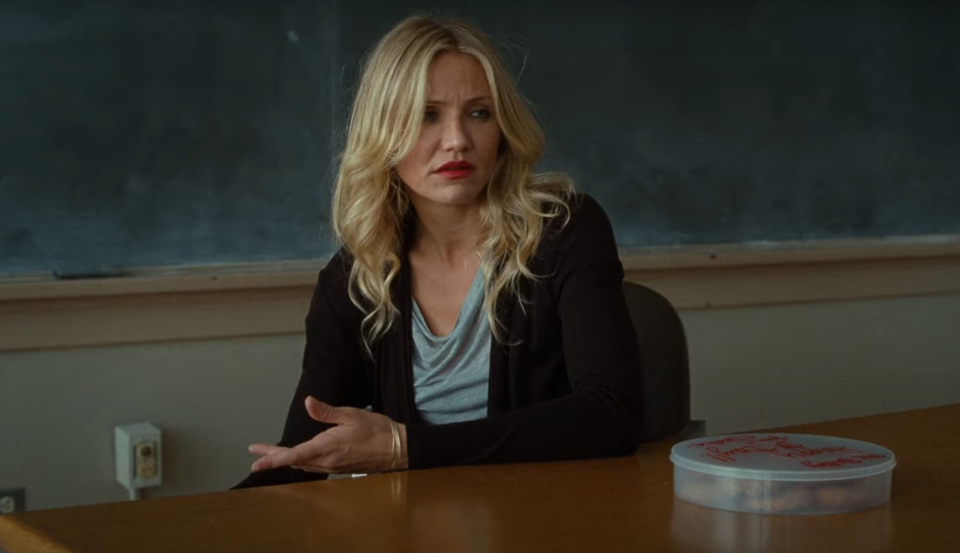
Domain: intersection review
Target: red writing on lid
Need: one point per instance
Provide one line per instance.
(732, 448)
(841, 461)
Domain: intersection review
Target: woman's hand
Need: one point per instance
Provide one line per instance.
(360, 442)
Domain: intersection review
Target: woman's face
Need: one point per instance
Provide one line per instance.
(456, 152)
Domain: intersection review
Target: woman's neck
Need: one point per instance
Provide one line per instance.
(447, 234)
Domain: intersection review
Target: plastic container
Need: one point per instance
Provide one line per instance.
(702, 529)
(788, 474)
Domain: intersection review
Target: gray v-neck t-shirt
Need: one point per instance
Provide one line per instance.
(451, 373)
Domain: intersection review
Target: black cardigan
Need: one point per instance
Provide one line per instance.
(565, 386)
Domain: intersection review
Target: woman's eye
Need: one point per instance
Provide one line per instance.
(430, 116)
(480, 114)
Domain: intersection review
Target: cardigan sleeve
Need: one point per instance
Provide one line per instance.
(332, 371)
(600, 417)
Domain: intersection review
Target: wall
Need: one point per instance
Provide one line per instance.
(211, 398)
(751, 368)
(782, 365)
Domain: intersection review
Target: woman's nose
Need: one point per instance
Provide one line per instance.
(455, 135)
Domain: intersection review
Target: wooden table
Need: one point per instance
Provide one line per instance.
(609, 505)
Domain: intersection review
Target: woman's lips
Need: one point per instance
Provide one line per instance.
(455, 169)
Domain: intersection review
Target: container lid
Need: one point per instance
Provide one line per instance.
(794, 457)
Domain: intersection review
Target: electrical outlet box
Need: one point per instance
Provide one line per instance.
(139, 455)
(13, 501)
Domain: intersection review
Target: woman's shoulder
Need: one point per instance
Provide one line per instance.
(333, 280)
(337, 270)
(584, 218)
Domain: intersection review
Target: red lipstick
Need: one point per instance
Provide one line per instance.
(455, 169)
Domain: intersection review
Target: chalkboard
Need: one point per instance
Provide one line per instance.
(157, 133)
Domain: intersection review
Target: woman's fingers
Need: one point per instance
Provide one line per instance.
(264, 449)
(303, 454)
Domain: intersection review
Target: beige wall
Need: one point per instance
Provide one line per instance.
(210, 399)
(782, 365)
(751, 368)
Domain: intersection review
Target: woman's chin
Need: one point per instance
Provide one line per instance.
(452, 195)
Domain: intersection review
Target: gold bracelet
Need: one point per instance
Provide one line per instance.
(400, 453)
(396, 450)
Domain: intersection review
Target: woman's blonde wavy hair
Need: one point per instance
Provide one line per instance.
(370, 203)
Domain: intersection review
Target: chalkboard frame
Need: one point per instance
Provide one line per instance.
(248, 301)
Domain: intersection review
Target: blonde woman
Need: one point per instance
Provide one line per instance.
(474, 313)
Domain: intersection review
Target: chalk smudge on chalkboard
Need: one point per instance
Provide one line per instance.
(88, 273)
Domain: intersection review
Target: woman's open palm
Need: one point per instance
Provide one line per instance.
(360, 442)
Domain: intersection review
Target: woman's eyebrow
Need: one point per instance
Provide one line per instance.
(469, 101)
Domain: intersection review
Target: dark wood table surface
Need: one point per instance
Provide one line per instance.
(607, 505)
